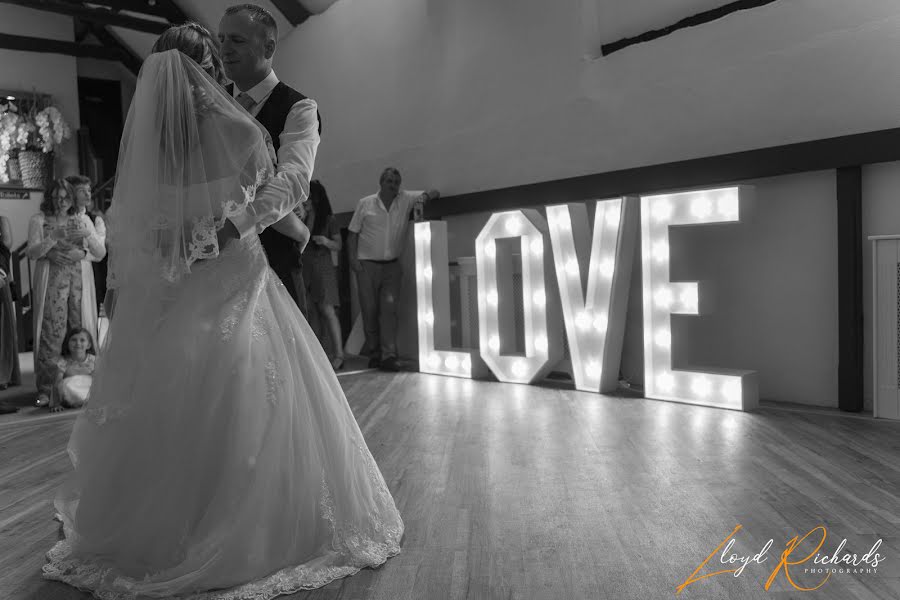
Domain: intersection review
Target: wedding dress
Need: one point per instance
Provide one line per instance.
(217, 457)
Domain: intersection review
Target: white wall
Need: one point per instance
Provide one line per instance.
(472, 95)
(54, 74)
(881, 216)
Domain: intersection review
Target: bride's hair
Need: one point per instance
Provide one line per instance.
(196, 42)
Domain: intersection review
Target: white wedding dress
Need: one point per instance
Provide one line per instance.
(217, 457)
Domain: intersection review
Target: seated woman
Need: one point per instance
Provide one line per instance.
(75, 371)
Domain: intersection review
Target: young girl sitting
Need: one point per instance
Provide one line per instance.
(75, 370)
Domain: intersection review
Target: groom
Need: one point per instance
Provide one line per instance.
(248, 34)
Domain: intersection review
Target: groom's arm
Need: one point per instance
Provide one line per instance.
(290, 185)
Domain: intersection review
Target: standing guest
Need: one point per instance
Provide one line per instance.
(319, 272)
(9, 346)
(84, 204)
(377, 235)
(63, 245)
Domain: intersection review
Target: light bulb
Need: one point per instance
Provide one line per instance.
(592, 369)
(427, 272)
(540, 343)
(494, 343)
(518, 368)
(539, 298)
(451, 363)
(663, 297)
(613, 215)
(537, 247)
(663, 338)
(665, 382)
(606, 268)
(583, 320)
(434, 360)
(513, 226)
(492, 297)
(701, 386)
(424, 233)
(490, 249)
(662, 209)
(661, 251)
(600, 323)
(701, 206)
(429, 317)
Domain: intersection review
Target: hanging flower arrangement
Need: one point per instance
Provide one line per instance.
(40, 128)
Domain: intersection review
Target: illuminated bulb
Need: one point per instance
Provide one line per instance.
(537, 247)
(572, 267)
(592, 369)
(688, 299)
(701, 207)
(583, 320)
(665, 382)
(662, 209)
(513, 225)
(465, 364)
(728, 206)
(600, 323)
(492, 297)
(518, 368)
(451, 363)
(429, 318)
(606, 268)
(661, 251)
(494, 343)
(419, 274)
(490, 249)
(425, 233)
(434, 361)
(613, 214)
(540, 343)
(732, 391)
(539, 298)
(427, 272)
(701, 386)
(663, 297)
(663, 338)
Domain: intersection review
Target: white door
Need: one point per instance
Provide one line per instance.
(886, 334)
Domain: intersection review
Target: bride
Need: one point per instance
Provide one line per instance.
(217, 457)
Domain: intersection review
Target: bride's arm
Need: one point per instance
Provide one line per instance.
(290, 185)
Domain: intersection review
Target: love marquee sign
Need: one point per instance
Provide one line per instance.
(592, 267)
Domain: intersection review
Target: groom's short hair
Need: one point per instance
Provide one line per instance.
(258, 14)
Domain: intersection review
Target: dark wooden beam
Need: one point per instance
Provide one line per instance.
(165, 9)
(32, 44)
(292, 10)
(128, 58)
(93, 15)
(819, 155)
(850, 288)
(692, 21)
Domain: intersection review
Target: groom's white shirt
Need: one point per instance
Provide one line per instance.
(296, 160)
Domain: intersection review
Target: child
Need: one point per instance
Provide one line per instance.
(76, 367)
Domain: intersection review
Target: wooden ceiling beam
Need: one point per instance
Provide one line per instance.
(292, 10)
(94, 15)
(32, 44)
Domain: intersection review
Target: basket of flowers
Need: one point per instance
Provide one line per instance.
(28, 138)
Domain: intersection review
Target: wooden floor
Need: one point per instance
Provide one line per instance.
(536, 492)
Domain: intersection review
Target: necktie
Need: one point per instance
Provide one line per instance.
(246, 101)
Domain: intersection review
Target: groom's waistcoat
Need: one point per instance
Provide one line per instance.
(282, 251)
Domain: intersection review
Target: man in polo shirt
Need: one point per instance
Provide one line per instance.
(376, 239)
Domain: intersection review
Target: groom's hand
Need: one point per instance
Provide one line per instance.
(227, 233)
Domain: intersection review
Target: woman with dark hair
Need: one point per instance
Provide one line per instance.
(217, 456)
(63, 245)
(9, 347)
(319, 272)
